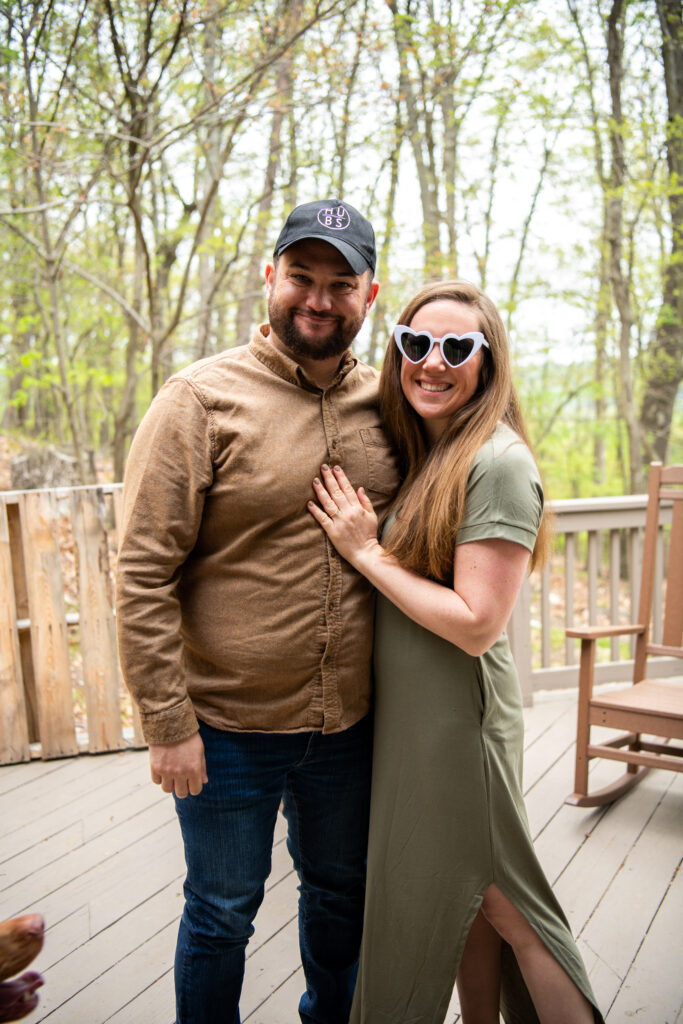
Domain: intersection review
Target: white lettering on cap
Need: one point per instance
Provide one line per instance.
(336, 218)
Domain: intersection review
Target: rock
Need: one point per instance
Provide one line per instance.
(43, 467)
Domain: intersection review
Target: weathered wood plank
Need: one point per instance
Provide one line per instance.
(541, 797)
(111, 872)
(640, 885)
(21, 603)
(54, 791)
(15, 777)
(14, 742)
(281, 1006)
(589, 874)
(10, 777)
(117, 497)
(88, 961)
(138, 739)
(539, 718)
(67, 832)
(97, 630)
(652, 989)
(277, 911)
(269, 966)
(156, 1005)
(558, 738)
(61, 939)
(119, 985)
(49, 640)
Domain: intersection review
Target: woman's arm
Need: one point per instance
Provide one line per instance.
(487, 575)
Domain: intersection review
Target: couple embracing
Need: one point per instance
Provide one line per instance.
(275, 494)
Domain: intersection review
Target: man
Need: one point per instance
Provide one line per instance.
(244, 638)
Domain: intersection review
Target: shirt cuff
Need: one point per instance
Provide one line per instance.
(170, 726)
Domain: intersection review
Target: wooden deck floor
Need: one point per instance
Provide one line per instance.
(95, 847)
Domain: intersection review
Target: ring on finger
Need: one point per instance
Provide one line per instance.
(335, 513)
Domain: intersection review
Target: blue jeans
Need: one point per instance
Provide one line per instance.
(227, 830)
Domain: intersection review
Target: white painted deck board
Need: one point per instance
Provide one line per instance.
(95, 847)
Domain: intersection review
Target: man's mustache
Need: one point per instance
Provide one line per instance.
(315, 316)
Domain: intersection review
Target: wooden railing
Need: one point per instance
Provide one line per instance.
(592, 579)
(60, 686)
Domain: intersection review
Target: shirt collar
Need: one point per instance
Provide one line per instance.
(284, 366)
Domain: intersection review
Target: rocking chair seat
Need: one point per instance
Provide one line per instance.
(651, 710)
(643, 704)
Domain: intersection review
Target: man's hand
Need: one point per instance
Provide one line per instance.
(179, 768)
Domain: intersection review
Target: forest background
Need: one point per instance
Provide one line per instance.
(151, 151)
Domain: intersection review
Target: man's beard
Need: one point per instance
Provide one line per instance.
(335, 344)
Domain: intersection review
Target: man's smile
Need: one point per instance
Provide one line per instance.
(317, 318)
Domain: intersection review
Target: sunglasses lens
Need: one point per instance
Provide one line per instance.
(415, 346)
(457, 350)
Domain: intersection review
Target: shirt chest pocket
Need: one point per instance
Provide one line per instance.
(382, 470)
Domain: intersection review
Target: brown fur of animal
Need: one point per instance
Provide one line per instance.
(21, 939)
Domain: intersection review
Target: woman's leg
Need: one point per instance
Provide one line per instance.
(555, 996)
(478, 977)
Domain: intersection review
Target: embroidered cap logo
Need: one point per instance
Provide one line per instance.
(336, 218)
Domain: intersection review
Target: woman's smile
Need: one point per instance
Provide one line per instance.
(434, 389)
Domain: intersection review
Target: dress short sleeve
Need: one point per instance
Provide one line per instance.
(504, 493)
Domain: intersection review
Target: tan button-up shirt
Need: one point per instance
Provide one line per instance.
(232, 606)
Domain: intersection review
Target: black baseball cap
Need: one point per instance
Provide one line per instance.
(335, 222)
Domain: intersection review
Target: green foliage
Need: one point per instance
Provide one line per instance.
(135, 174)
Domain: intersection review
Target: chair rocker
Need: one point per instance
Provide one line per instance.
(649, 707)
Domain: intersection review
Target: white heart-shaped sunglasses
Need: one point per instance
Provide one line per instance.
(456, 349)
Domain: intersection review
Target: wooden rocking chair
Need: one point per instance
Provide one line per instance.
(649, 707)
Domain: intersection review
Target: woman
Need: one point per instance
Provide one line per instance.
(454, 885)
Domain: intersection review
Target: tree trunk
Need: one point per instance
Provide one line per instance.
(15, 415)
(665, 357)
(206, 261)
(526, 228)
(451, 127)
(614, 224)
(342, 140)
(492, 181)
(421, 145)
(253, 284)
(600, 365)
(52, 272)
(604, 296)
(379, 325)
(124, 419)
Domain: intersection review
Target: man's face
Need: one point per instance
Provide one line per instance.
(316, 303)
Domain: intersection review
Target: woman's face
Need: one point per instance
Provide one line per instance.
(434, 389)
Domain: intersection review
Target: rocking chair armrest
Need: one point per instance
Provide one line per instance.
(595, 632)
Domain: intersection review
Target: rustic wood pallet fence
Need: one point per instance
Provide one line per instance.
(41, 660)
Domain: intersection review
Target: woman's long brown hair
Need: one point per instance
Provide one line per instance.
(431, 502)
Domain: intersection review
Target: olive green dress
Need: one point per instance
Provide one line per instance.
(447, 813)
